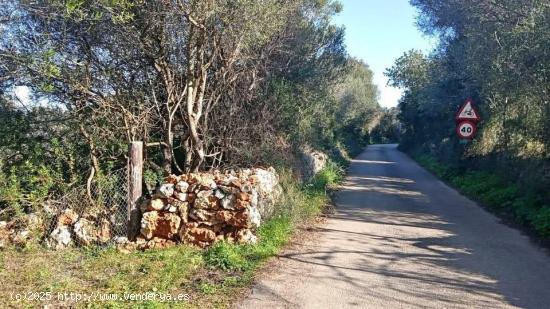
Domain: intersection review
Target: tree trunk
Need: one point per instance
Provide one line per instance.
(167, 153)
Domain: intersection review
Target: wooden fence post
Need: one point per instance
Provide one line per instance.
(135, 173)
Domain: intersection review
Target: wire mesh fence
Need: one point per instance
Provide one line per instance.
(92, 214)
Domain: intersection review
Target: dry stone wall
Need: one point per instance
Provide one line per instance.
(58, 231)
(71, 228)
(314, 161)
(202, 208)
(197, 209)
(20, 231)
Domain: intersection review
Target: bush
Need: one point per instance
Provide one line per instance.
(330, 175)
(476, 183)
(525, 207)
(435, 167)
(541, 221)
(500, 197)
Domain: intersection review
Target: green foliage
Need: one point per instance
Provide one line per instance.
(541, 221)
(24, 187)
(357, 97)
(300, 202)
(227, 256)
(409, 71)
(273, 235)
(151, 178)
(307, 115)
(388, 128)
(73, 5)
(500, 197)
(120, 11)
(476, 183)
(494, 53)
(37, 159)
(526, 207)
(334, 111)
(329, 176)
(10, 193)
(433, 165)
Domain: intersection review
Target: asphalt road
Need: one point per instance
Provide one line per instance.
(400, 238)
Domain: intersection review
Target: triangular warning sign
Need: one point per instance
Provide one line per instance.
(467, 112)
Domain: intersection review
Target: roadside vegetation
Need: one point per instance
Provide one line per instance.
(495, 52)
(205, 85)
(211, 278)
(502, 197)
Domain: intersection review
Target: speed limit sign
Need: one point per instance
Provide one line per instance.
(466, 129)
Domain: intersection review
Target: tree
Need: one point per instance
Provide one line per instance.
(358, 97)
(194, 80)
(495, 52)
(153, 66)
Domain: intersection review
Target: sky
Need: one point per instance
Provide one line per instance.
(378, 32)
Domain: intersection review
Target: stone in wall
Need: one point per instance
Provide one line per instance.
(92, 231)
(160, 224)
(85, 231)
(209, 206)
(67, 217)
(60, 237)
(314, 161)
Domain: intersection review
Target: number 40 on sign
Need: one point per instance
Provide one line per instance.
(466, 119)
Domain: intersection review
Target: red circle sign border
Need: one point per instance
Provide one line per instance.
(474, 128)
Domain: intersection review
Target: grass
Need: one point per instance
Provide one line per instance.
(96, 271)
(524, 207)
(300, 203)
(211, 278)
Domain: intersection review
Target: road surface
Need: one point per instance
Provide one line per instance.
(400, 238)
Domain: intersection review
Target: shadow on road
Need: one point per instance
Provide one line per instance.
(413, 238)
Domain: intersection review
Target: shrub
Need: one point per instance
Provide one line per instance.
(435, 167)
(541, 221)
(524, 208)
(476, 183)
(496, 193)
(500, 197)
(330, 175)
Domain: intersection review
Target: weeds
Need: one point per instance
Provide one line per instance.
(327, 177)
